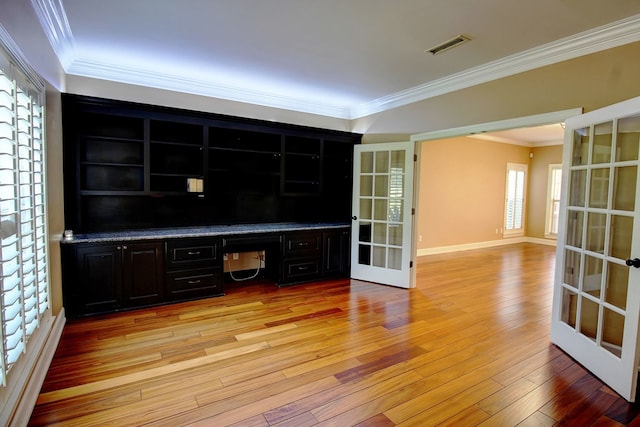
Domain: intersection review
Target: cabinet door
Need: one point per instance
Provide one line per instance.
(335, 252)
(143, 278)
(98, 284)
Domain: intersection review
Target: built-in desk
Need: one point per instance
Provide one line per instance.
(112, 271)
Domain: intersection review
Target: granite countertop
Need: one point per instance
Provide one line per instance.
(203, 231)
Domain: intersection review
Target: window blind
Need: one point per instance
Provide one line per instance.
(514, 202)
(24, 292)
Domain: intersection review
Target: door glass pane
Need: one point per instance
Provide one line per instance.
(620, 236)
(366, 185)
(599, 192)
(578, 188)
(380, 233)
(395, 258)
(395, 234)
(572, 268)
(395, 210)
(379, 256)
(382, 162)
(364, 232)
(592, 276)
(569, 307)
(580, 146)
(380, 211)
(589, 317)
(596, 227)
(364, 254)
(612, 331)
(624, 196)
(366, 208)
(602, 143)
(382, 185)
(575, 221)
(628, 139)
(397, 160)
(366, 162)
(617, 285)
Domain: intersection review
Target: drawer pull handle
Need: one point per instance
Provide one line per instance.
(303, 244)
(194, 252)
(306, 267)
(193, 282)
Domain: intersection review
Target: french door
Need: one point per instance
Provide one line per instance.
(382, 223)
(597, 279)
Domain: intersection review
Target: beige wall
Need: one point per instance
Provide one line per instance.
(538, 187)
(461, 190)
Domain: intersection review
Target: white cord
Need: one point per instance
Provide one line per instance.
(246, 278)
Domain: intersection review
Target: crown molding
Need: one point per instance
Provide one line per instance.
(150, 78)
(53, 20)
(595, 40)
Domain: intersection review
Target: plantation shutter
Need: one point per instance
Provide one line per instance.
(23, 235)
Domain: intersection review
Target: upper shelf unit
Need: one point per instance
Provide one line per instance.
(120, 155)
(111, 154)
(175, 153)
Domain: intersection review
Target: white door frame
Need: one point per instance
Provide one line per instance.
(515, 123)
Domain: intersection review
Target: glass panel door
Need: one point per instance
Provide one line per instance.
(382, 220)
(597, 297)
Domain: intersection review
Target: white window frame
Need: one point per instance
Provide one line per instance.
(24, 257)
(514, 227)
(553, 201)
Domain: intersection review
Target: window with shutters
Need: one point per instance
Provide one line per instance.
(515, 200)
(553, 201)
(23, 228)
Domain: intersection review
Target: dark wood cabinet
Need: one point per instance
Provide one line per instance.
(301, 166)
(135, 166)
(301, 256)
(139, 167)
(336, 246)
(143, 274)
(112, 276)
(109, 277)
(194, 268)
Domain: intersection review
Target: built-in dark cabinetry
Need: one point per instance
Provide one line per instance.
(135, 166)
(336, 246)
(301, 256)
(175, 156)
(110, 155)
(194, 268)
(105, 277)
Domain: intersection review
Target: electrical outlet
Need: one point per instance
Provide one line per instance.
(235, 255)
(225, 257)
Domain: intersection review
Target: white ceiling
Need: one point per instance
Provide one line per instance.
(340, 58)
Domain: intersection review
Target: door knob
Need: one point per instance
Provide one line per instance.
(634, 262)
(354, 217)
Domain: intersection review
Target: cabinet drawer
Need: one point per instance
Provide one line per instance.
(301, 269)
(195, 283)
(302, 244)
(192, 252)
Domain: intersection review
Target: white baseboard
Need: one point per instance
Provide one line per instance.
(27, 401)
(482, 245)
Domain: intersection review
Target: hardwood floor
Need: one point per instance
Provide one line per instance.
(468, 346)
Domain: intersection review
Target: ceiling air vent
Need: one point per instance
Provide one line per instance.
(456, 41)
